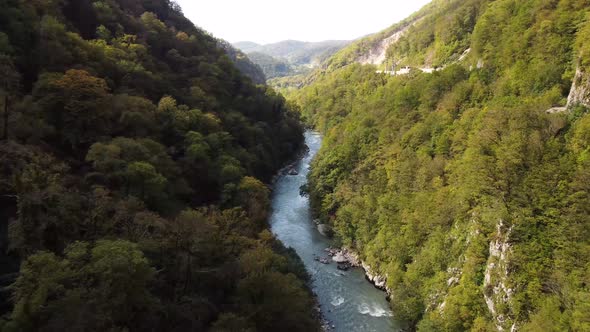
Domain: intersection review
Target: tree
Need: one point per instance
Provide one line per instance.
(95, 70)
(139, 166)
(9, 81)
(253, 196)
(137, 116)
(265, 297)
(48, 212)
(231, 323)
(75, 104)
(92, 288)
(191, 238)
(143, 179)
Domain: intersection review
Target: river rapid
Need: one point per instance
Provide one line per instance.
(348, 301)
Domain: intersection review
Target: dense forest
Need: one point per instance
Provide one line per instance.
(272, 67)
(245, 63)
(468, 188)
(134, 158)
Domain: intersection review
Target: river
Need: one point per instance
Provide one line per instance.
(347, 299)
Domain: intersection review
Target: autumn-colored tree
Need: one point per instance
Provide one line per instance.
(75, 104)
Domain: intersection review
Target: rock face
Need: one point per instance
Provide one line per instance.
(351, 259)
(339, 258)
(377, 280)
(344, 256)
(378, 52)
(580, 91)
(497, 294)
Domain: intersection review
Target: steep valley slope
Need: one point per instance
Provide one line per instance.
(458, 186)
(135, 159)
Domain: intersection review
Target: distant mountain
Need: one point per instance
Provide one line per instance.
(296, 52)
(290, 57)
(246, 46)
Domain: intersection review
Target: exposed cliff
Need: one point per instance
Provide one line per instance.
(497, 293)
(377, 52)
(580, 91)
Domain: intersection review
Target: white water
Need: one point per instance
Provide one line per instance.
(374, 310)
(337, 301)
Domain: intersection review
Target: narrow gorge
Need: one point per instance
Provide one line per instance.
(347, 301)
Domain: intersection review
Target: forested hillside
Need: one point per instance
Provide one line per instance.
(468, 188)
(252, 69)
(272, 67)
(133, 163)
(434, 36)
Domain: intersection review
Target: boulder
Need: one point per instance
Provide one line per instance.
(325, 230)
(344, 266)
(340, 258)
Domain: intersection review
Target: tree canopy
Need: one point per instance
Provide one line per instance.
(138, 155)
(458, 185)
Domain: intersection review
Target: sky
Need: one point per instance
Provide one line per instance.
(269, 21)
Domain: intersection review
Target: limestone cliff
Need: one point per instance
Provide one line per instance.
(580, 92)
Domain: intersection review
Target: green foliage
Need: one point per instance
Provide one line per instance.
(247, 66)
(253, 196)
(440, 33)
(272, 296)
(98, 287)
(272, 67)
(137, 167)
(424, 174)
(75, 104)
(132, 167)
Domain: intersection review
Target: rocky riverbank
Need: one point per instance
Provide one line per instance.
(349, 257)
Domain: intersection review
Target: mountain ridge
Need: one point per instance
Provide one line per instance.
(301, 57)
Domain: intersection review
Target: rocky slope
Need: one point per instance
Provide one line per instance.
(580, 90)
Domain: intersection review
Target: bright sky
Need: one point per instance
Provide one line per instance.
(268, 21)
